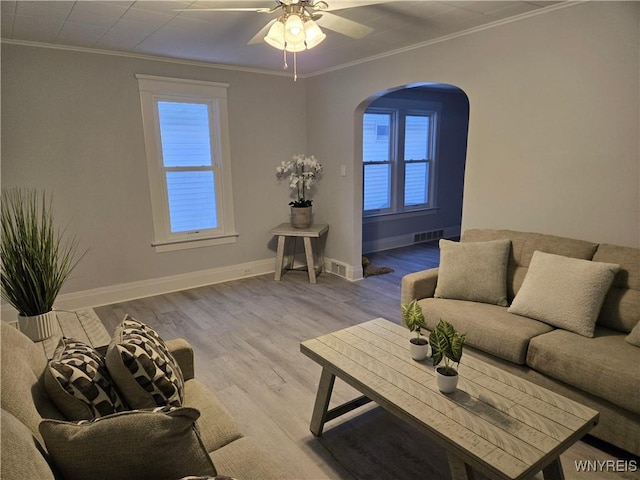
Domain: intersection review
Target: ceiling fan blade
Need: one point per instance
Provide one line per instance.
(344, 26)
(259, 37)
(258, 10)
(342, 4)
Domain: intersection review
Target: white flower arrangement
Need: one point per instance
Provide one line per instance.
(300, 171)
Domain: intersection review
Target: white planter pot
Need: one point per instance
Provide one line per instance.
(39, 327)
(418, 352)
(446, 383)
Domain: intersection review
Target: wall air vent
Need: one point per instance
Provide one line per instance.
(428, 236)
(338, 269)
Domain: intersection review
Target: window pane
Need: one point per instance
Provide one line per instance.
(416, 137)
(377, 186)
(192, 201)
(184, 133)
(376, 137)
(416, 183)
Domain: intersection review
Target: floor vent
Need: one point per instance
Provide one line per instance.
(427, 236)
(338, 269)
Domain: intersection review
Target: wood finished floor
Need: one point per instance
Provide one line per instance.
(246, 335)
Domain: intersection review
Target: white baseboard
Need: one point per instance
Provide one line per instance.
(158, 286)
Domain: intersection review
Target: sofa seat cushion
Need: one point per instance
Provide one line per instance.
(21, 453)
(605, 365)
(245, 459)
(217, 427)
(488, 327)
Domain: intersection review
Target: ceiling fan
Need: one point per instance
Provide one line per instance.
(295, 29)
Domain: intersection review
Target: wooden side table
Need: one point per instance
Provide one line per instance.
(285, 230)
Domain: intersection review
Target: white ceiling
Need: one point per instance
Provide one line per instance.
(156, 28)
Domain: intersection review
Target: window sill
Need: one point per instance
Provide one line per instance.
(384, 217)
(173, 245)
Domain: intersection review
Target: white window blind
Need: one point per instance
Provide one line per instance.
(188, 167)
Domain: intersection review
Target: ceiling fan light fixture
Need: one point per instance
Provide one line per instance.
(275, 36)
(313, 34)
(296, 47)
(294, 29)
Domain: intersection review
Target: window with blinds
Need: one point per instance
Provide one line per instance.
(188, 166)
(398, 160)
(186, 137)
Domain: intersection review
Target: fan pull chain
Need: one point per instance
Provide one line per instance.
(295, 67)
(284, 59)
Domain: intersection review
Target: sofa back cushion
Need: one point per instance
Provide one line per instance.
(523, 244)
(21, 453)
(621, 307)
(22, 391)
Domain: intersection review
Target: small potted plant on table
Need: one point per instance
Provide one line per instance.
(446, 344)
(414, 320)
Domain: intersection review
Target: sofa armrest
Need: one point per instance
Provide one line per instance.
(418, 285)
(183, 353)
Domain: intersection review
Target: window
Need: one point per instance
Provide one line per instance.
(398, 160)
(187, 145)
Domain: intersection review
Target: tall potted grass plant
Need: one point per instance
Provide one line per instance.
(36, 259)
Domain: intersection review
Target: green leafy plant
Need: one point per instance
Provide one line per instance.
(36, 258)
(414, 320)
(446, 344)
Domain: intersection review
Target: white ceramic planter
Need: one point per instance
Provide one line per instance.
(418, 352)
(446, 383)
(39, 327)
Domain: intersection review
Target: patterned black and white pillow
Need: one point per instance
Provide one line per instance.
(78, 382)
(142, 366)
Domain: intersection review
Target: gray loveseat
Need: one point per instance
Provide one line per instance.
(602, 372)
(25, 403)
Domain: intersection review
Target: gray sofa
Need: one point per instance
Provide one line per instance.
(25, 403)
(602, 372)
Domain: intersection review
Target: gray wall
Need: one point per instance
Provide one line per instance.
(553, 140)
(72, 125)
(383, 232)
(553, 128)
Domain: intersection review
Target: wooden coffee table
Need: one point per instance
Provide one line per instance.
(495, 423)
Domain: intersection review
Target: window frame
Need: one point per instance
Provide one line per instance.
(154, 89)
(398, 162)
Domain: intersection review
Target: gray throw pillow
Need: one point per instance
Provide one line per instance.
(634, 337)
(143, 368)
(564, 292)
(474, 271)
(78, 382)
(160, 444)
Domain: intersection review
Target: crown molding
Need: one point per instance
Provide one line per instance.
(140, 56)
